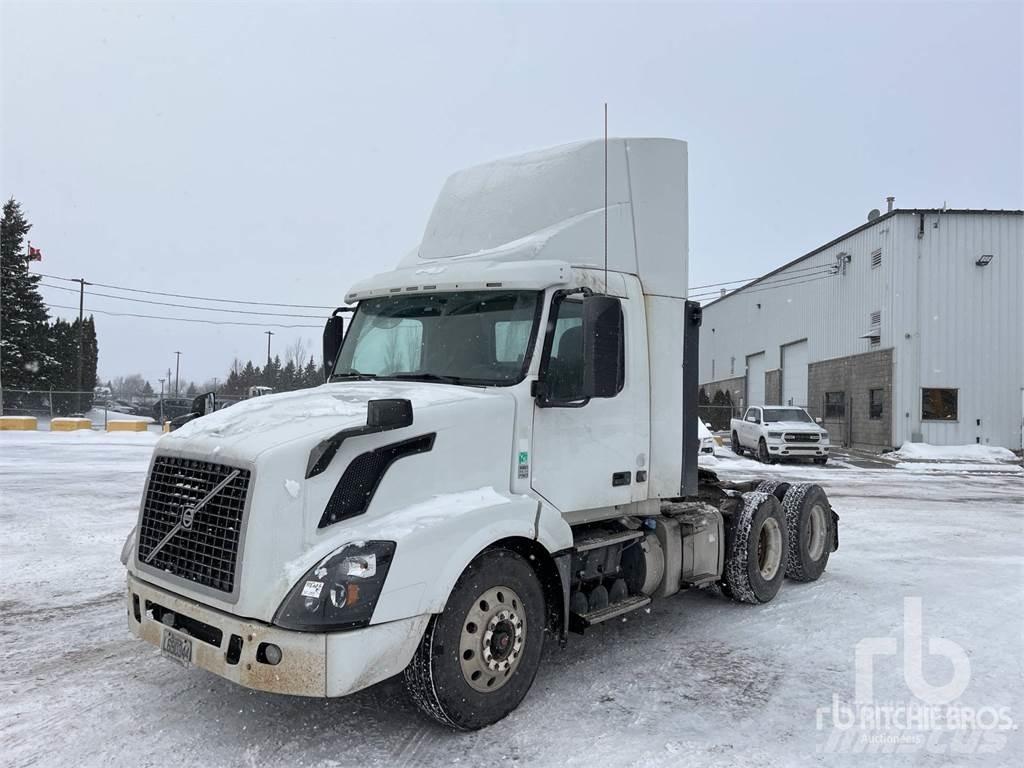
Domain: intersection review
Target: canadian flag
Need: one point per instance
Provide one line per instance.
(34, 254)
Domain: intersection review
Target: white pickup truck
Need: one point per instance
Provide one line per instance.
(774, 432)
(505, 451)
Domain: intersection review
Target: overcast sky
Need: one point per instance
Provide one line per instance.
(279, 152)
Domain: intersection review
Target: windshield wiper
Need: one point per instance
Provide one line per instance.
(351, 375)
(426, 377)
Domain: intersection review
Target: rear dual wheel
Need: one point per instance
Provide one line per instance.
(811, 527)
(756, 549)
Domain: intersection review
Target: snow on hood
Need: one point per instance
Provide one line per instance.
(794, 425)
(273, 419)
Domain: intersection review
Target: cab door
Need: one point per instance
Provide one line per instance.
(589, 454)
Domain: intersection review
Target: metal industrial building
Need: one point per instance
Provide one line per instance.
(909, 327)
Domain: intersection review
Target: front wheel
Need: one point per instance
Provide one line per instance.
(762, 452)
(478, 658)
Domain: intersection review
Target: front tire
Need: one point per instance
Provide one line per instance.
(762, 452)
(478, 658)
(736, 447)
(756, 549)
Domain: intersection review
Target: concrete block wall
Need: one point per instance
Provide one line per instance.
(773, 387)
(854, 375)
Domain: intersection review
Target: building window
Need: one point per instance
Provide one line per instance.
(938, 404)
(876, 399)
(876, 259)
(835, 405)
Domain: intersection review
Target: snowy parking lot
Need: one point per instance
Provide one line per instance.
(697, 681)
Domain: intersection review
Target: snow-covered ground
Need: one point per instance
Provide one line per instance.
(697, 681)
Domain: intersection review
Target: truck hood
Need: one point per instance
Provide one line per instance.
(793, 426)
(251, 427)
(272, 436)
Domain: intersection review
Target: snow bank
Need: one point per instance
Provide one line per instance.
(970, 453)
(941, 466)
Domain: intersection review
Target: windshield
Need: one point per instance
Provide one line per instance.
(466, 337)
(772, 415)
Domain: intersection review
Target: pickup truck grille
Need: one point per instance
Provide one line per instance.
(204, 548)
(801, 437)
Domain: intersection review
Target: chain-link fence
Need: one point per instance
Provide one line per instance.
(53, 403)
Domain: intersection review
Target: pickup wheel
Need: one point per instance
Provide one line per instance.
(762, 452)
(478, 658)
(810, 523)
(736, 447)
(756, 549)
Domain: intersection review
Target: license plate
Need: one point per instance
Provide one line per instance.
(177, 647)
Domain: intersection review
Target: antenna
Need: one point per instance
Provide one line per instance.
(606, 197)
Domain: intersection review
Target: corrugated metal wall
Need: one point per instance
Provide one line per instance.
(949, 322)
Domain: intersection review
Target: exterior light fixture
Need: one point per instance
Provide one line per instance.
(984, 260)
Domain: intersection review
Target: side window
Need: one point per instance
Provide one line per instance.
(565, 364)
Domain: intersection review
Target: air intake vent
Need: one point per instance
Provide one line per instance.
(876, 258)
(360, 479)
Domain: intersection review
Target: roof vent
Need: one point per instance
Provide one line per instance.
(890, 201)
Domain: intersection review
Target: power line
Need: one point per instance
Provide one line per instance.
(194, 298)
(751, 279)
(772, 287)
(179, 306)
(184, 319)
(776, 280)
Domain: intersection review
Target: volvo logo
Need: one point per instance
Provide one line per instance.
(187, 517)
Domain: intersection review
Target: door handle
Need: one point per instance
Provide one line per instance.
(621, 478)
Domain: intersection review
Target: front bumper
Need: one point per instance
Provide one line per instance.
(312, 664)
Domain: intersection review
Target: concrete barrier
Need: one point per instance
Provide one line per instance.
(18, 422)
(61, 424)
(126, 426)
(166, 427)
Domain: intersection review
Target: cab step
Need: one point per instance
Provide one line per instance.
(580, 621)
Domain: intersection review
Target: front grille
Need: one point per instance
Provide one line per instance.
(801, 437)
(206, 552)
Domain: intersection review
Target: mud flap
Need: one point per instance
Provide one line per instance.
(835, 531)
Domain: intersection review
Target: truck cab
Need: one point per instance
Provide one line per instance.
(504, 451)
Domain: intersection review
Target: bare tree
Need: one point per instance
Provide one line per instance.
(297, 353)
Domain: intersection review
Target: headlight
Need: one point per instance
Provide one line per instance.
(340, 592)
(128, 546)
(776, 435)
(824, 435)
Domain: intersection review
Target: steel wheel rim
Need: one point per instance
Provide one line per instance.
(492, 639)
(816, 532)
(769, 549)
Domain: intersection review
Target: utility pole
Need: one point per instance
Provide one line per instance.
(81, 335)
(177, 370)
(161, 401)
(269, 334)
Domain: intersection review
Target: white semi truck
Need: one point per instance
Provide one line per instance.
(504, 452)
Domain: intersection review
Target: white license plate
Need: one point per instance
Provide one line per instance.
(177, 647)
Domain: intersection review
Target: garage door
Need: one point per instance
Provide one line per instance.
(794, 374)
(755, 379)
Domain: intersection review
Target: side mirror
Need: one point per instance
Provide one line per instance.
(752, 419)
(204, 404)
(334, 333)
(603, 346)
(818, 420)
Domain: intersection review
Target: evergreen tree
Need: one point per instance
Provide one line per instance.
(311, 374)
(147, 388)
(25, 359)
